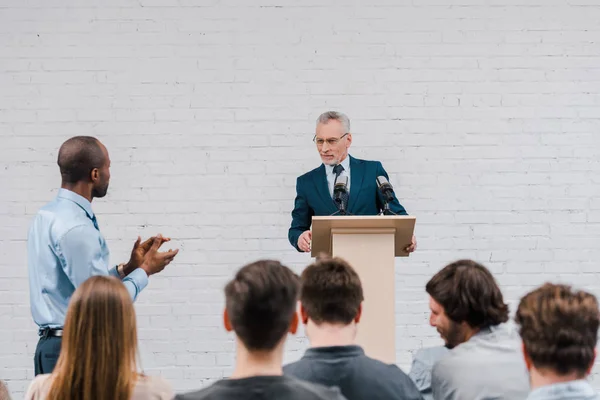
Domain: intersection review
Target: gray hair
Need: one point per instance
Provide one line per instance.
(338, 116)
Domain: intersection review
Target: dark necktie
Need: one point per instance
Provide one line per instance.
(337, 170)
(95, 221)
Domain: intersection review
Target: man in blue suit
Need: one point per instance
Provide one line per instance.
(314, 190)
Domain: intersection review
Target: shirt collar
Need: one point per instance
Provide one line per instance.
(557, 390)
(334, 352)
(77, 199)
(345, 164)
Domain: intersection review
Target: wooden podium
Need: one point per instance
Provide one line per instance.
(370, 244)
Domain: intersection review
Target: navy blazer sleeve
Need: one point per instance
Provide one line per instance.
(301, 216)
(395, 205)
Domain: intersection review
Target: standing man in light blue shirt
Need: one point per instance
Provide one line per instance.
(559, 330)
(65, 246)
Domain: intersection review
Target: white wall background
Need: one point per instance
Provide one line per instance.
(484, 112)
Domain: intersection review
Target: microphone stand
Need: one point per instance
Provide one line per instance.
(342, 208)
(387, 197)
(386, 209)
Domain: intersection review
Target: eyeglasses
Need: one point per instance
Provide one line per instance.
(331, 141)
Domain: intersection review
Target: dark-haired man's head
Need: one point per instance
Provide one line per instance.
(84, 164)
(260, 305)
(331, 298)
(559, 329)
(463, 299)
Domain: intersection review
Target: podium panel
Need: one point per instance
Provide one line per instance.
(369, 244)
(403, 225)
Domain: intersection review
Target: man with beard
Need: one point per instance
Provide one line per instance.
(65, 246)
(485, 361)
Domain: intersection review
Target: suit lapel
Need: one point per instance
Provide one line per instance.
(357, 173)
(320, 180)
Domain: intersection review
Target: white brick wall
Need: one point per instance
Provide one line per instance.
(485, 114)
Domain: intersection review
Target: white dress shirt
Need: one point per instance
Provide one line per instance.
(331, 175)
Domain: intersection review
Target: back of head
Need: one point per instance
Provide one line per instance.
(331, 292)
(468, 293)
(559, 328)
(261, 303)
(78, 156)
(99, 347)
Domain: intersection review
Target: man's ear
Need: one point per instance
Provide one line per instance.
(226, 321)
(528, 362)
(294, 324)
(349, 141)
(358, 314)
(303, 314)
(95, 175)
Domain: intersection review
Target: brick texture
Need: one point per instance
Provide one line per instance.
(485, 113)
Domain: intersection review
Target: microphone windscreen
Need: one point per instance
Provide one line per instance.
(341, 181)
(382, 181)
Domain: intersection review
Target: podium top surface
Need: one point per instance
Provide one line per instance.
(402, 226)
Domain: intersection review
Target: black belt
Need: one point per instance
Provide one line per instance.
(54, 332)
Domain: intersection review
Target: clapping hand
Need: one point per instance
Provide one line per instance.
(155, 261)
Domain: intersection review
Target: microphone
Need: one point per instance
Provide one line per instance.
(340, 186)
(385, 187)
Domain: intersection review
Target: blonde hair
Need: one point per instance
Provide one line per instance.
(99, 347)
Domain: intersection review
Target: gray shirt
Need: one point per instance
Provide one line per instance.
(422, 364)
(488, 366)
(263, 388)
(358, 376)
(574, 390)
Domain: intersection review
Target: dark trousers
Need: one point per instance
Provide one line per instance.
(46, 354)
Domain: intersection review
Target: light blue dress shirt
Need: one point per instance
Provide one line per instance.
(64, 248)
(574, 390)
(331, 175)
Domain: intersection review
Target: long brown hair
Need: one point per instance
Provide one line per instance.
(98, 355)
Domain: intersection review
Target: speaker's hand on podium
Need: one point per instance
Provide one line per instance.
(412, 246)
(304, 241)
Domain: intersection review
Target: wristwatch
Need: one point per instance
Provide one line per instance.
(120, 270)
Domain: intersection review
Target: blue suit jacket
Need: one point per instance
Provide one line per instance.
(313, 198)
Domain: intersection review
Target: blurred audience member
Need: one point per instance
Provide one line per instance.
(468, 311)
(331, 305)
(559, 329)
(98, 355)
(260, 307)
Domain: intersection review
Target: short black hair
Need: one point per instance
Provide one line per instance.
(331, 291)
(78, 156)
(261, 302)
(468, 292)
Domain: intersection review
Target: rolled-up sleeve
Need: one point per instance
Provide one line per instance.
(81, 256)
(420, 373)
